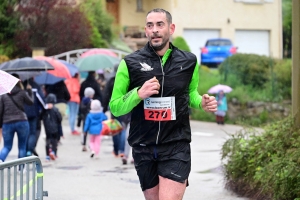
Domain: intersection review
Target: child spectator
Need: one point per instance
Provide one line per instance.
(85, 106)
(52, 123)
(93, 126)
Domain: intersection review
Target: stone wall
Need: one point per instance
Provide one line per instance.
(254, 109)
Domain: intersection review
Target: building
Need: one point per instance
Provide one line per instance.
(254, 26)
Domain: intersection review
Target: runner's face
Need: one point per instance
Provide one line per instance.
(158, 30)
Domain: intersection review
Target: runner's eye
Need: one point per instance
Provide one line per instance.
(149, 26)
(160, 24)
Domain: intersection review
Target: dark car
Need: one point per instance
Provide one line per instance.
(216, 51)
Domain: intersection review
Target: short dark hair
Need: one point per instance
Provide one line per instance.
(160, 10)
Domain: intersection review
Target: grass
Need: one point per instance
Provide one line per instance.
(243, 93)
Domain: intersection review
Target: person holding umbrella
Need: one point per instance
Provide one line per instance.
(7, 83)
(222, 107)
(220, 90)
(13, 118)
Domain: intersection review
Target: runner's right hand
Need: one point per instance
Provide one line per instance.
(149, 88)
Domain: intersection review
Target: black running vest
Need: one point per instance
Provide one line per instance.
(177, 74)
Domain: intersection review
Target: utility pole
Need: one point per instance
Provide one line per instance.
(296, 61)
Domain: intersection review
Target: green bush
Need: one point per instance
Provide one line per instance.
(252, 73)
(180, 43)
(264, 165)
(283, 77)
(248, 69)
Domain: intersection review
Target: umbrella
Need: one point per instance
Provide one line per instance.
(25, 64)
(95, 62)
(46, 78)
(7, 82)
(72, 68)
(25, 75)
(60, 70)
(217, 88)
(98, 51)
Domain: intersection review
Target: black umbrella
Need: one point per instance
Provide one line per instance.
(25, 64)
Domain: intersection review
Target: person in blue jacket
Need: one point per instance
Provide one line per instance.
(222, 107)
(93, 126)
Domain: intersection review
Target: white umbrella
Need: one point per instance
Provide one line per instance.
(7, 82)
(217, 88)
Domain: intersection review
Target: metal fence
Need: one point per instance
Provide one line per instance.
(22, 179)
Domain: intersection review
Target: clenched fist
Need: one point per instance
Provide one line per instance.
(149, 88)
(209, 103)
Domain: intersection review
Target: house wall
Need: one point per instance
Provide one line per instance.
(225, 15)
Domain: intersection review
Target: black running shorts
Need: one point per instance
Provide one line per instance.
(172, 161)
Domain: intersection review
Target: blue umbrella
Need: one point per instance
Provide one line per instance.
(46, 78)
(72, 68)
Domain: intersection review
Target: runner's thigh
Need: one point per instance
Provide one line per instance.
(145, 166)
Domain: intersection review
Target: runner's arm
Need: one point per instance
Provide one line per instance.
(195, 97)
(123, 101)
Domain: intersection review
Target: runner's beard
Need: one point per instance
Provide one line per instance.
(158, 47)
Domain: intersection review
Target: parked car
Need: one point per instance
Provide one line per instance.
(216, 51)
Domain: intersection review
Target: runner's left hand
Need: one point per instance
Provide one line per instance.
(209, 103)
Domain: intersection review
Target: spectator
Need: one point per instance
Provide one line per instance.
(85, 107)
(222, 107)
(13, 118)
(93, 126)
(90, 81)
(62, 95)
(119, 140)
(73, 86)
(52, 123)
(33, 115)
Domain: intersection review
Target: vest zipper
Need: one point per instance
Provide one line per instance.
(162, 91)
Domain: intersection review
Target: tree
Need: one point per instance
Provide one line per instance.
(50, 24)
(100, 21)
(287, 27)
(67, 30)
(9, 25)
(34, 16)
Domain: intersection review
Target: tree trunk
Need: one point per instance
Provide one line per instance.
(296, 61)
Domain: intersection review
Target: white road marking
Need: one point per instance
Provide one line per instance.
(203, 134)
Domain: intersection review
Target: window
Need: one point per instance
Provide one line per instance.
(139, 6)
(218, 43)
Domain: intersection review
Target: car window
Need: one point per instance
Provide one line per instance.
(218, 43)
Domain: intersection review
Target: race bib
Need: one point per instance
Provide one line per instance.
(160, 108)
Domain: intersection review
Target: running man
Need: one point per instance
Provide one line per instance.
(158, 83)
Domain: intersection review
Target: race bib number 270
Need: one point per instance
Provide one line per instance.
(160, 108)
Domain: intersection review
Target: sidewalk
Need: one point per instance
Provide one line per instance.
(74, 175)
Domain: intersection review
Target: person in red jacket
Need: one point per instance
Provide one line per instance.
(73, 86)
